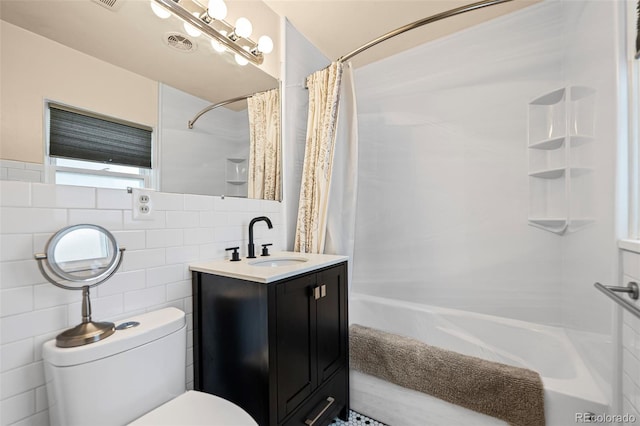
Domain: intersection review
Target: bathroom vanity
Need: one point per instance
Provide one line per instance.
(271, 335)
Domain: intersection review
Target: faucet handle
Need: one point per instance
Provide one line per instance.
(265, 249)
(235, 256)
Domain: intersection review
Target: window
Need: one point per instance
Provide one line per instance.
(92, 150)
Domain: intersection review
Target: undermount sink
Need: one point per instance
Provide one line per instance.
(279, 261)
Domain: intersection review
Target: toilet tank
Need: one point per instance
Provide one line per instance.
(118, 379)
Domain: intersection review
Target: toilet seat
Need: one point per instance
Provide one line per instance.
(196, 408)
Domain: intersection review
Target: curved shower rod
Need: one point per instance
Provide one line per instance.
(384, 37)
(214, 106)
(420, 23)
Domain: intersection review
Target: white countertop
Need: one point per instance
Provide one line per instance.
(245, 270)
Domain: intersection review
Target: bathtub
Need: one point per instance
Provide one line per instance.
(569, 387)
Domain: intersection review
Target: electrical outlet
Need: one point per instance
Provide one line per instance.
(142, 205)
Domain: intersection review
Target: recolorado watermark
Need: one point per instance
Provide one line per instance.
(604, 418)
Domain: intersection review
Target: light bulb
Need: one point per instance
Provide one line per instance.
(240, 60)
(217, 46)
(243, 28)
(265, 44)
(159, 11)
(190, 29)
(217, 9)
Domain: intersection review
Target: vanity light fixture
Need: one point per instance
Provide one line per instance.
(210, 21)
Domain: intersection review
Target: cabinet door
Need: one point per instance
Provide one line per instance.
(331, 321)
(296, 342)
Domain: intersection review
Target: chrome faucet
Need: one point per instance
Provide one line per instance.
(252, 249)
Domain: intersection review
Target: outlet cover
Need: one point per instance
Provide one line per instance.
(143, 204)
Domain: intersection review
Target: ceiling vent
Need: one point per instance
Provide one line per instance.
(180, 42)
(109, 4)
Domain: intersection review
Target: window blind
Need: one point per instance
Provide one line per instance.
(84, 136)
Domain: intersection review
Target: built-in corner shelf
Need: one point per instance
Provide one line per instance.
(560, 147)
(236, 177)
(549, 173)
(552, 143)
(557, 225)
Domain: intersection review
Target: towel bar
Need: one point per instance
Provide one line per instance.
(631, 289)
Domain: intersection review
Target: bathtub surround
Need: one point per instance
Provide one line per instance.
(154, 273)
(444, 174)
(509, 393)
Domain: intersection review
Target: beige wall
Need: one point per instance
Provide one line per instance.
(34, 69)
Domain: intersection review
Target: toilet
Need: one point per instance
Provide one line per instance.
(135, 376)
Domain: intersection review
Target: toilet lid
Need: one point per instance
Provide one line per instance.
(197, 408)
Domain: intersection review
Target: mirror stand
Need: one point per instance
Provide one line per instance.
(88, 331)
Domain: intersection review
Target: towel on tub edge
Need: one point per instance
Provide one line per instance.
(512, 394)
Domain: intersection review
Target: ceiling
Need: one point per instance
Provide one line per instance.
(338, 27)
(131, 37)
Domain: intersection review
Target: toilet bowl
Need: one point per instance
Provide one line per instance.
(135, 376)
(196, 408)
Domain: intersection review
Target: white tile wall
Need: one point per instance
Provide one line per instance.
(21, 171)
(154, 273)
(631, 342)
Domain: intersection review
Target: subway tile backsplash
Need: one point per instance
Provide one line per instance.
(21, 171)
(154, 273)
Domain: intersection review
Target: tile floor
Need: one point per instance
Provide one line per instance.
(356, 419)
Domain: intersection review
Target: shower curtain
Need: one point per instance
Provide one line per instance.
(324, 87)
(264, 145)
(341, 216)
(326, 215)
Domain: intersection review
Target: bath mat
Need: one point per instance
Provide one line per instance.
(512, 394)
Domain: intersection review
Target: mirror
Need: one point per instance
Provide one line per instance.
(128, 35)
(222, 154)
(83, 256)
(82, 253)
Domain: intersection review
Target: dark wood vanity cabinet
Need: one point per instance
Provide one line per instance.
(278, 350)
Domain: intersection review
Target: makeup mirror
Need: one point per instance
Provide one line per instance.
(82, 256)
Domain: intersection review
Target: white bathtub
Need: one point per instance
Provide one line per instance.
(569, 387)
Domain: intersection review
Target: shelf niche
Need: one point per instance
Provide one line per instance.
(561, 133)
(236, 177)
